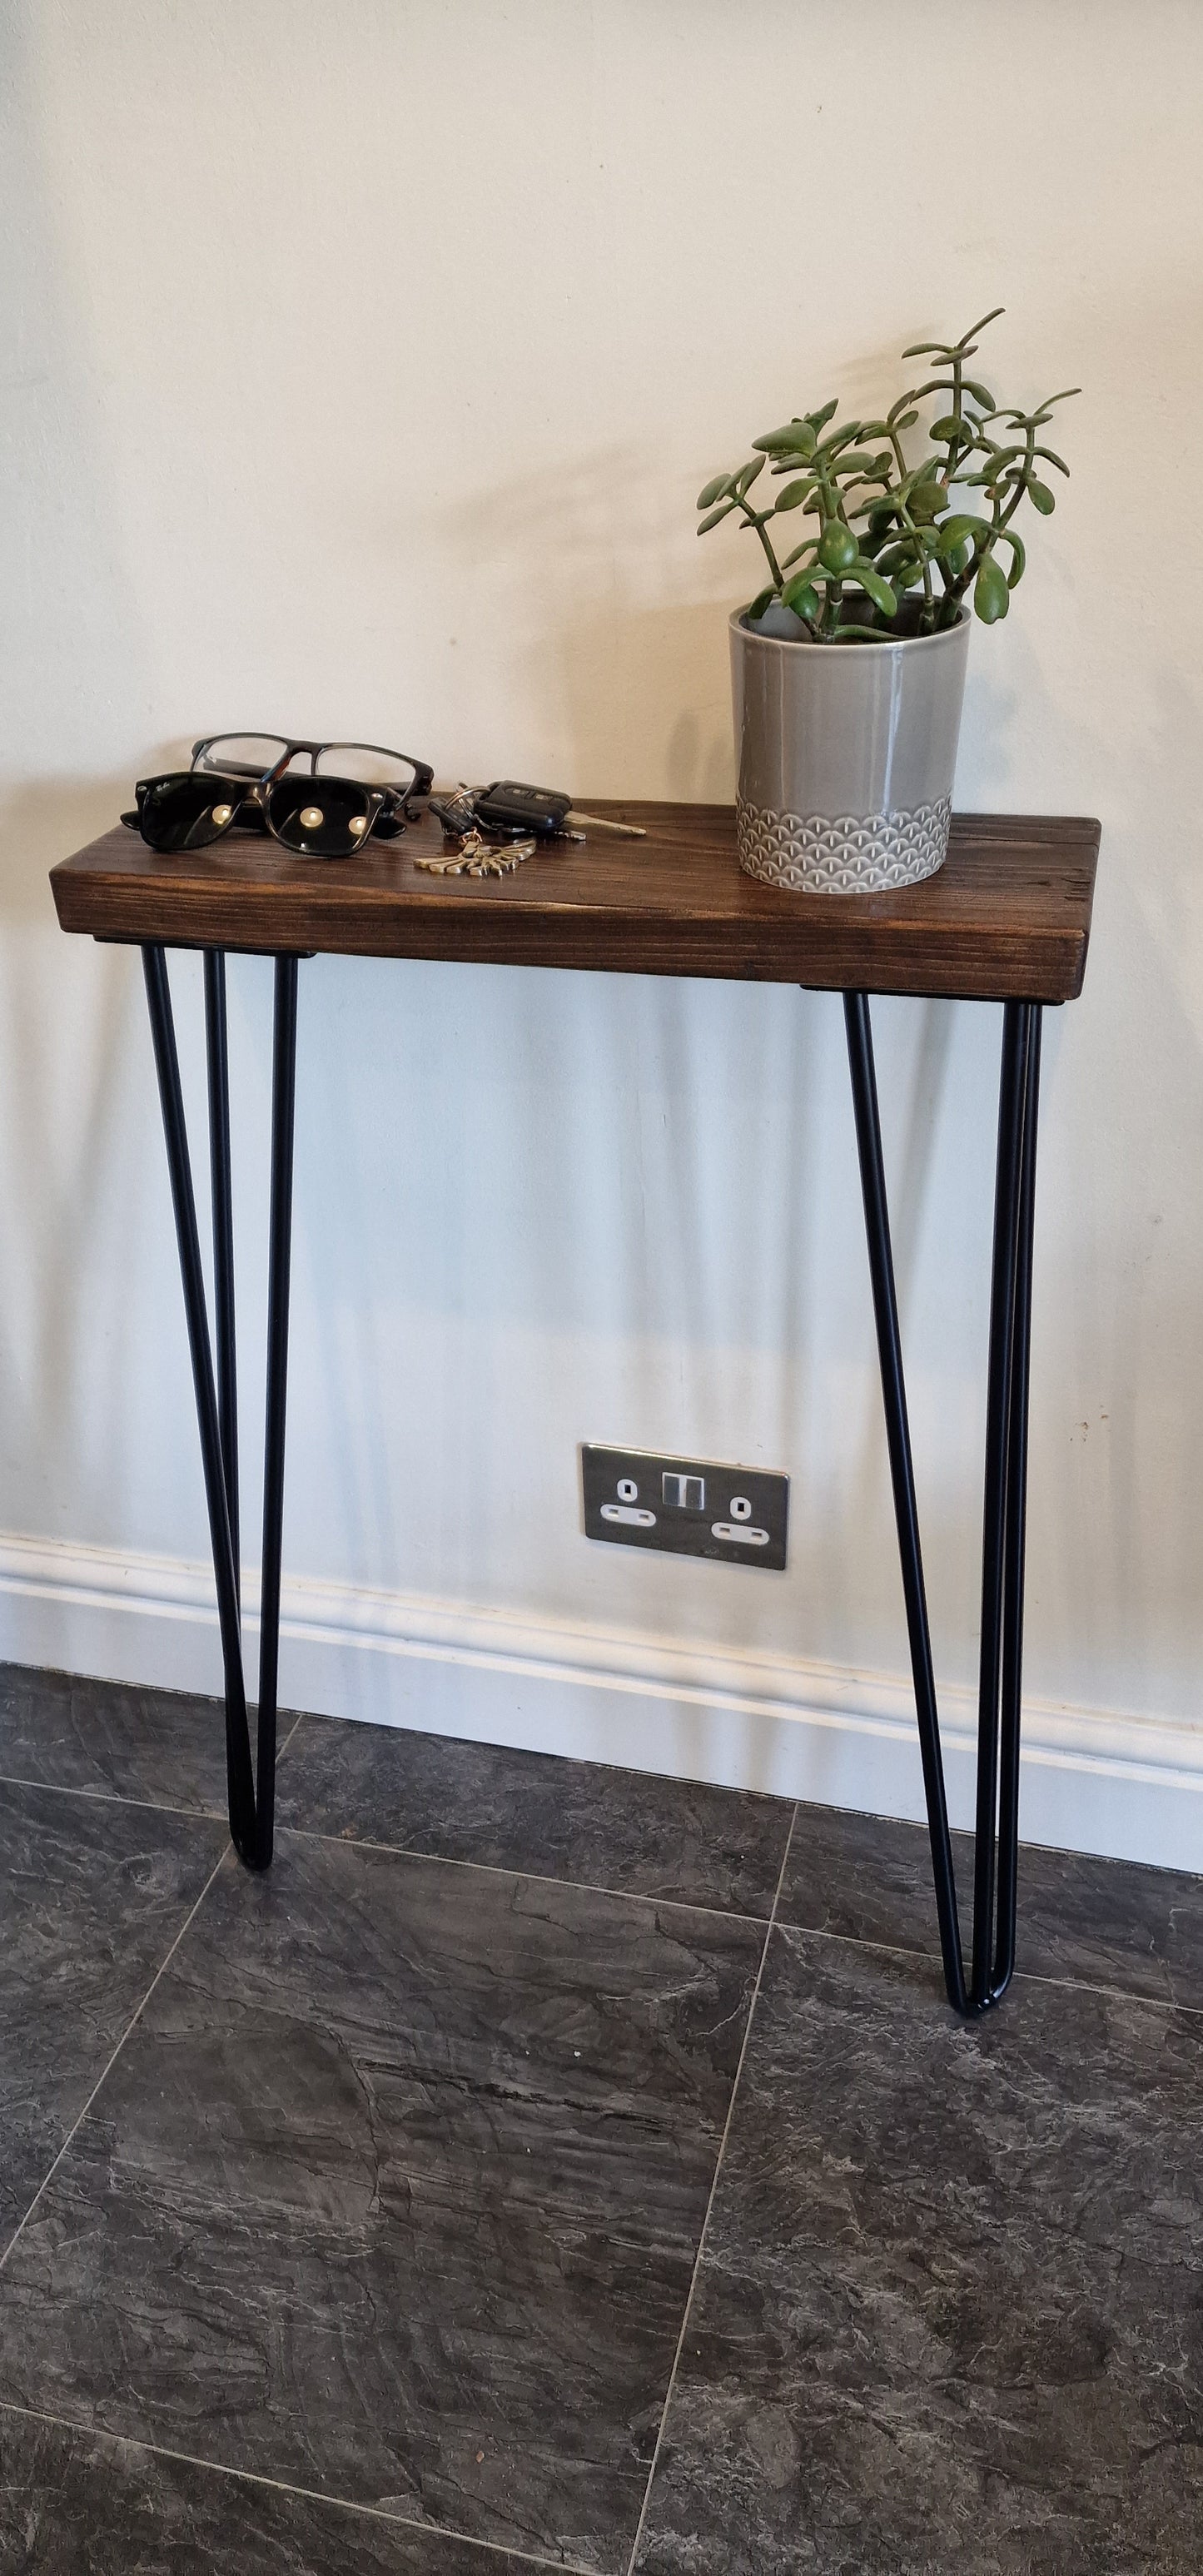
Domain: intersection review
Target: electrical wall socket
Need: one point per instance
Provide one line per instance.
(689, 1506)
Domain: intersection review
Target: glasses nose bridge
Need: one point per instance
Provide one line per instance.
(288, 753)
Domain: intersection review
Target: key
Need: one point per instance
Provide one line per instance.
(454, 812)
(476, 858)
(508, 806)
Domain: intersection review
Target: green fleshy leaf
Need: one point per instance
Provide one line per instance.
(797, 438)
(946, 428)
(713, 517)
(991, 597)
(760, 603)
(1051, 457)
(975, 327)
(963, 525)
(837, 547)
(819, 419)
(981, 393)
(801, 595)
(795, 493)
(1045, 500)
(927, 498)
(1007, 537)
(871, 582)
(713, 491)
(747, 474)
(891, 558)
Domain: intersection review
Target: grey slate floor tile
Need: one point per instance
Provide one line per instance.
(950, 2311)
(580, 1821)
(92, 1896)
(65, 1731)
(395, 2193)
(1092, 1922)
(77, 2504)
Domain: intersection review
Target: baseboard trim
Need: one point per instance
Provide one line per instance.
(1093, 1779)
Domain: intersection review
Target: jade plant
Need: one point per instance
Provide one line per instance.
(889, 530)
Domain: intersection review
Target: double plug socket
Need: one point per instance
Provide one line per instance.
(688, 1506)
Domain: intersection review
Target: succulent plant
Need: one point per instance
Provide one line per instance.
(892, 531)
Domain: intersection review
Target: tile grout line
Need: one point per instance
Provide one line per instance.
(1113, 1994)
(514, 1869)
(111, 1798)
(131, 2024)
(282, 1749)
(284, 2486)
(122, 1797)
(722, 2148)
(1023, 1976)
(111, 2061)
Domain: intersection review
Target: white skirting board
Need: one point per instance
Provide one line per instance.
(1093, 1779)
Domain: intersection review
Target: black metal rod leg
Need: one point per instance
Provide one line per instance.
(240, 1782)
(1015, 1534)
(280, 1263)
(217, 1054)
(998, 1520)
(889, 1344)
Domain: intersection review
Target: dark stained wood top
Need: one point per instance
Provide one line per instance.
(1007, 916)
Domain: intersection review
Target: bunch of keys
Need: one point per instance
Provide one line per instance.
(473, 856)
(508, 811)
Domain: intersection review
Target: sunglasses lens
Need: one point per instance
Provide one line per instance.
(187, 810)
(319, 818)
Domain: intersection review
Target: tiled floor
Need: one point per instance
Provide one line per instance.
(549, 2166)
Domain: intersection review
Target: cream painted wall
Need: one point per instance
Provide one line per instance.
(360, 366)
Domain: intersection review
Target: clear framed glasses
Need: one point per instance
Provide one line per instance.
(326, 808)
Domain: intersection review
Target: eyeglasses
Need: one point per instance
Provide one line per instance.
(349, 791)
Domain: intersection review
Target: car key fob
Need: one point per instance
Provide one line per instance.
(508, 806)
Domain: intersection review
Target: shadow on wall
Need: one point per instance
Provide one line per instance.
(645, 688)
(65, 1059)
(619, 678)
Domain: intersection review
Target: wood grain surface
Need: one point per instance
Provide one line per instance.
(1007, 915)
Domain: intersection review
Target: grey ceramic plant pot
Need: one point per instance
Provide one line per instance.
(845, 755)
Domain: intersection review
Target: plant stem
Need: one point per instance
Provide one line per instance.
(754, 520)
(1022, 485)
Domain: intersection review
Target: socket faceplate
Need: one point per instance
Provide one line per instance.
(688, 1506)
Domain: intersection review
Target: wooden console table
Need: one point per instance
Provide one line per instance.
(1007, 919)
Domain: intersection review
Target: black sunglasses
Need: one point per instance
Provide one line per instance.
(349, 791)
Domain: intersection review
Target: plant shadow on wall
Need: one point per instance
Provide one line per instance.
(627, 669)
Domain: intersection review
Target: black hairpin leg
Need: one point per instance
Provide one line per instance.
(251, 1803)
(999, 1698)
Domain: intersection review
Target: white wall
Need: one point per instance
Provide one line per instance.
(360, 366)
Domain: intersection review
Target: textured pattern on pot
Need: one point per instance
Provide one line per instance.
(845, 757)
